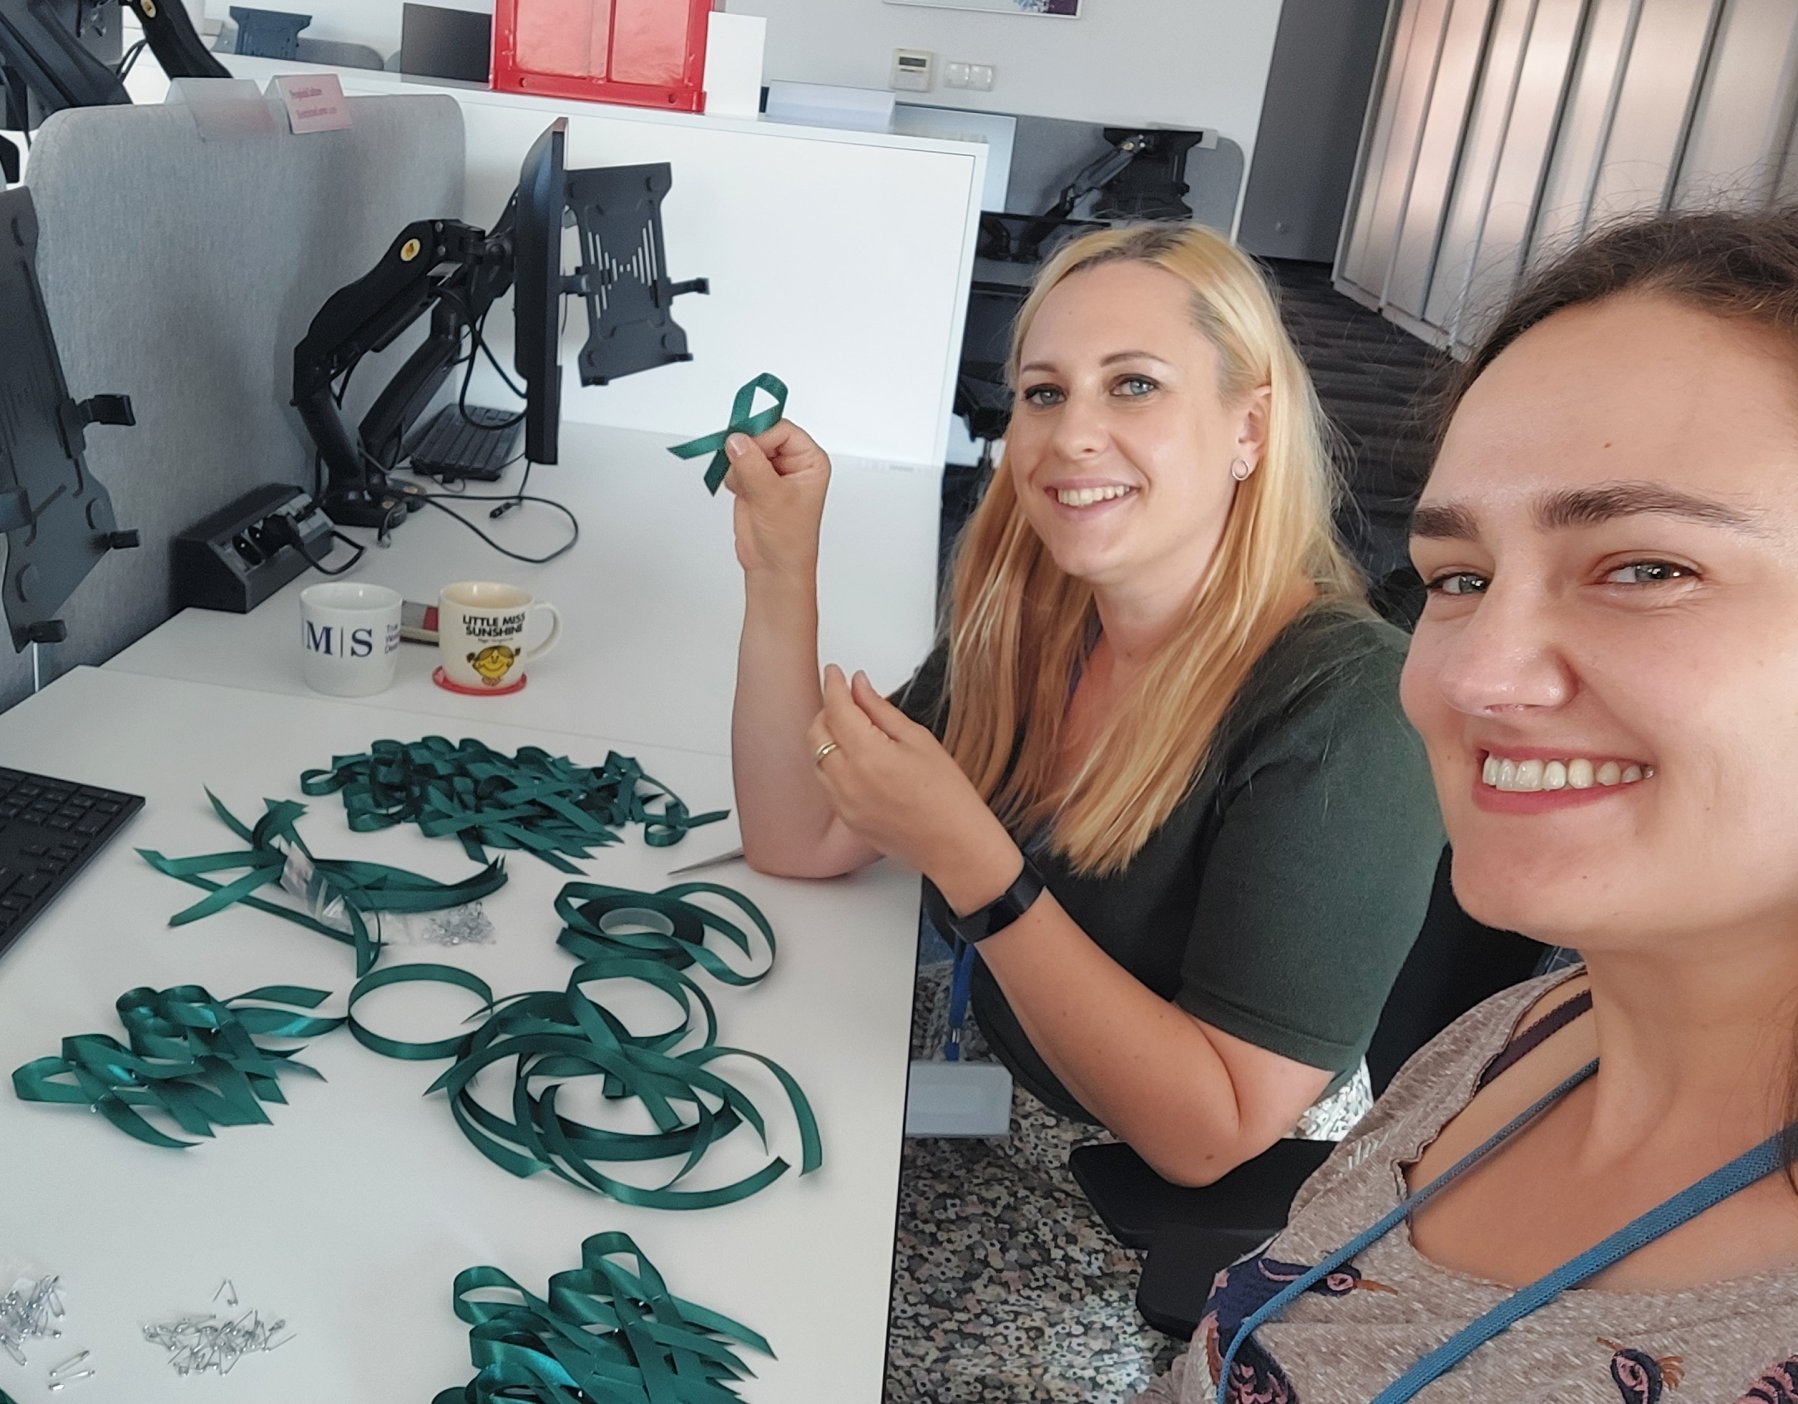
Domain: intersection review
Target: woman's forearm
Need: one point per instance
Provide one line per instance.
(788, 825)
(1193, 1104)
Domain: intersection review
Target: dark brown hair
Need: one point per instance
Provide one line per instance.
(1739, 266)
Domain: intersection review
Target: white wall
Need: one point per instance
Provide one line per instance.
(1176, 63)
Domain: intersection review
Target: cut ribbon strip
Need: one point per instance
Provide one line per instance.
(741, 422)
(604, 923)
(553, 1038)
(539, 803)
(363, 888)
(189, 1056)
(606, 1332)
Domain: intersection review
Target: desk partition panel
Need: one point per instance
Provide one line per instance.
(182, 272)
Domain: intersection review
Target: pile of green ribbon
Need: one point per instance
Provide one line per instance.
(636, 932)
(364, 888)
(553, 1038)
(606, 1332)
(741, 422)
(188, 1055)
(533, 801)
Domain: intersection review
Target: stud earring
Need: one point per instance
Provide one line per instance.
(1240, 470)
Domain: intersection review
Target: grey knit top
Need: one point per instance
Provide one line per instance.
(1361, 1328)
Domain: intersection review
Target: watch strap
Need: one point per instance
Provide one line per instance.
(975, 926)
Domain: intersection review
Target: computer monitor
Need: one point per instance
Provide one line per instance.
(621, 276)
(436, 42)
(456, 272)
(537, 288)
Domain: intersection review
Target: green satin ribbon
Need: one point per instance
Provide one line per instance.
(401, 974)
(533, 801)
(552, 1038)
(587, 934)
(741, 422)
(364, 888)
(604, 1332)
(188, 1055)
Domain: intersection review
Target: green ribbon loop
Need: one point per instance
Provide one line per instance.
(189, 1056)
(401, 974)
(365, 889)
(606, 1331)
(555, 1039)
(741, 422)
(533, 802)
(602, 923)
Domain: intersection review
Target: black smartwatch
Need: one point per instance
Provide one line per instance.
(985, 921)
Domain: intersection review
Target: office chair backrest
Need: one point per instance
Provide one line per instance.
(337, 53)
(1455, 964)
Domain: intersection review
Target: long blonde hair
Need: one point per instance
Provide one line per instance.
(1019, 627)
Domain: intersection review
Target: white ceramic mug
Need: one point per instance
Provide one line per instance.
(481, 628)
(349, 637)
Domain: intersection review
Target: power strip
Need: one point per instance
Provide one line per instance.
(236, 558)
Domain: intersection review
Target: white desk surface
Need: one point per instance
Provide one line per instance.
(351, 1213)
(651, 596)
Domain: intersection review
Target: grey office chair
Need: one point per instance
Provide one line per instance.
(338, 54)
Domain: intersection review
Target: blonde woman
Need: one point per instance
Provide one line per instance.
(1155, 770)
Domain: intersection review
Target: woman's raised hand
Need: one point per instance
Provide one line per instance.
(779, 478)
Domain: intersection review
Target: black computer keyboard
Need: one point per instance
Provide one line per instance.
(48, 830)
(452, 447)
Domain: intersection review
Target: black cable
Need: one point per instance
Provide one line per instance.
(480, 344)
(291, 537)
(476, 346)
(506, 497)
(517, 500)
(129, 61)
(487, 351)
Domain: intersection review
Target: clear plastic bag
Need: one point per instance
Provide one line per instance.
(458, 926)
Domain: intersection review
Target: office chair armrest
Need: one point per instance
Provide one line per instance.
(1182, 1263)
(1136, 1204)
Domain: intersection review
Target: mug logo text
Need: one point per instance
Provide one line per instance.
(336, 641)
(494, 626)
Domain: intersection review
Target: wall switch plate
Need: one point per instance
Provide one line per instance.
(980, 77)
(955, 75)
(914, 70)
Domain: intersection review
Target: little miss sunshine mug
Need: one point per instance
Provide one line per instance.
(481, 643)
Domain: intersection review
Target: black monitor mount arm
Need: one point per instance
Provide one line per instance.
(451, 269)
(54, 66)
(173, 39)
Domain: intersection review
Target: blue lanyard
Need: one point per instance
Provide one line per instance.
(960, 984)
(1747, 1169)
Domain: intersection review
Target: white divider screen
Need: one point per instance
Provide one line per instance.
(838, 260)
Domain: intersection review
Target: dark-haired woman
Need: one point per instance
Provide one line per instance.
(1580, 1192)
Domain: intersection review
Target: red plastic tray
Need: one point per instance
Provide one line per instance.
(648, 53)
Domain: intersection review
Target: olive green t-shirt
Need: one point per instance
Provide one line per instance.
(1280, 898)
